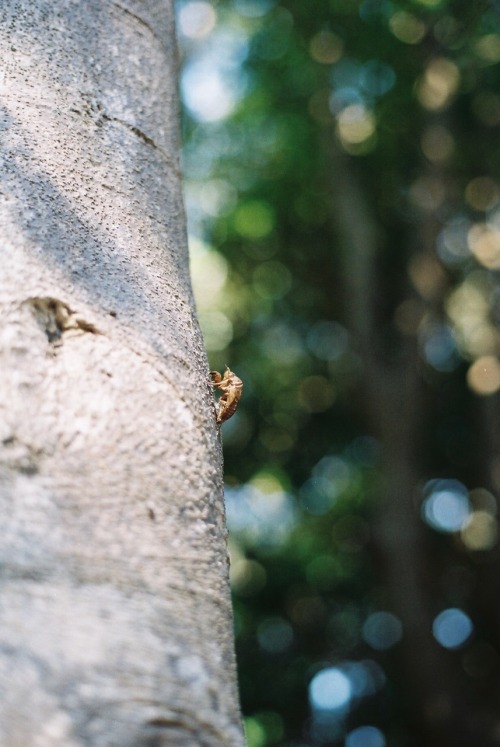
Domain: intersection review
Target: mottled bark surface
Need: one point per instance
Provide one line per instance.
(115, 621)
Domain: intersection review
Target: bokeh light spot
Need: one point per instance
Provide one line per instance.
(468, 307)
(367, 677)
(452, 244)
(406, 27)
(326, 47)
(438, 84)
(377, 78)
(272, 723)
(282, 343)
(447, 507)
(330, 477)
(253, 8)
(196, 19)
(382, 630)
(206, 93)
(255, 734)
(209, 271)
(439, 347)
(483, 500)
(484, 241)
(437, 143)
(365, 736)
(488, 48)
(355, 124)
(216, 197)
(254, 219)
(452, 627)
(426, 275)
(480, 532)
(275, 635)
(316, 393)
(482, 193)
(272, 279)
(263, 515)
(427, 192)
(483, 377)
(330, 690)
(327, 340)
(217, 329)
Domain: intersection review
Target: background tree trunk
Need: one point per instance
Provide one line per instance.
(115, 619)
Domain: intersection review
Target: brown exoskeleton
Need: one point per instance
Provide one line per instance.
(231, 387)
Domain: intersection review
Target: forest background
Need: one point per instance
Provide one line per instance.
(342, 180)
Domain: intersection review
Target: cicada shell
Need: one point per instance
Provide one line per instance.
(231, 387)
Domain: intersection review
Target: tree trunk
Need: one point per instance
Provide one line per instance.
(115, 619)
(397, 408)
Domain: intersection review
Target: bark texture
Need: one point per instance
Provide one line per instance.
(115, 620)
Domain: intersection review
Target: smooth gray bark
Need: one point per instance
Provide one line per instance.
(115, 618)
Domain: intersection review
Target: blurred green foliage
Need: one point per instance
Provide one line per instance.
(341, 164)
